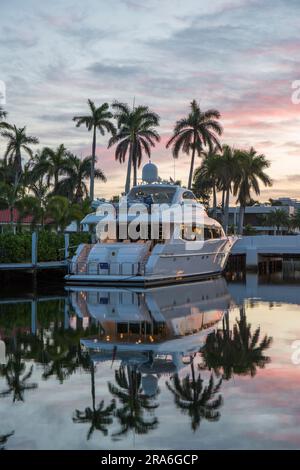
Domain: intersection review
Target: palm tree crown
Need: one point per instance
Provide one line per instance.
(198, 129)
(136, 135)
(73, 185)
(251, 171)
(98, 119)
(17, 141)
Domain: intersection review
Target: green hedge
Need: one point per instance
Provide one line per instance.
(17, 248)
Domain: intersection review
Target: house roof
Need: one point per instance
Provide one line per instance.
(5, 217)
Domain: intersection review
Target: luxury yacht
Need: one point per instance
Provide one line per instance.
(193, 246)
(159, 329)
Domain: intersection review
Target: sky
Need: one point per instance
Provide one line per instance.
(239, 56)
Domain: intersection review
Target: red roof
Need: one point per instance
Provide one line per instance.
(5, 217)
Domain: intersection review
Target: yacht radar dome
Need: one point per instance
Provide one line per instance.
(150, 173)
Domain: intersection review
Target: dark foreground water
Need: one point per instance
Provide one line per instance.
(210, 365)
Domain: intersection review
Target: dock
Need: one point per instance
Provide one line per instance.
(34, 265)
(257, 248)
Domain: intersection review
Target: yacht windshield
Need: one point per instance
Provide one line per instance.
(152, 195)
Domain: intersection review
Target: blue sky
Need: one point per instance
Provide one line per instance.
(239, 56)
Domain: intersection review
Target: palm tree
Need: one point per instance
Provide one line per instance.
(195, 400)
(134, 401)
(198, 129)
(208, 174)
(99, 417)
(61, 212)
(295, 222)
(227, 171)
(7, 174)
(98, 119)
(74, 186)
(18, 141)
(136, 135)
(10, 198)
(278, 218)
(51, 164)
(34, 207)
(250, 172)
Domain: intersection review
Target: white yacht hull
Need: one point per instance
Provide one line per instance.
(115, 265)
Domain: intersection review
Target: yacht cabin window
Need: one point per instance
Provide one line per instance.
(148, 194)
(197, 233)
(189, 195)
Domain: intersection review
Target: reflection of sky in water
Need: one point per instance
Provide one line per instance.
(259, 412)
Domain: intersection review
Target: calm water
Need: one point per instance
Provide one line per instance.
(201, 366)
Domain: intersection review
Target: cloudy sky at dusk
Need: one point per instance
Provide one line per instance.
(239, 56)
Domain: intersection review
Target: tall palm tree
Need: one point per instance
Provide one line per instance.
(195, 400)
(192, 133)
(134, 401)
(98, 119)
(208, 173)
(135, 136)
(250, 172)
(73, 186)
(18, 141)
(99, 417)
(227, 170)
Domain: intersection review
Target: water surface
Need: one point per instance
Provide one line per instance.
(202, 366)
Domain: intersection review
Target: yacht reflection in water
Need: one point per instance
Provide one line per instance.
(150, 334)
(158, 329)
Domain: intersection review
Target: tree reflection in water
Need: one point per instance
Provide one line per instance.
(194, 399)
(4, 438)
(16, 374)
(134, 402)
(99, 417)
(237, 351)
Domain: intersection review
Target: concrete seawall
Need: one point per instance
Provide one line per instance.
(256, 247)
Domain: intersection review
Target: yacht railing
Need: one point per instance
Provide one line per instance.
(111, 269)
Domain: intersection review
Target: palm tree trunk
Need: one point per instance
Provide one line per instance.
(226, 210)
(214, 201)
(129, 164)
(192, 165)
(18, 166)
(241, 220)
(134, 173)
(93, 165)
(223, 200)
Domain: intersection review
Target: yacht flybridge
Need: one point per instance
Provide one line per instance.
(136, 246)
